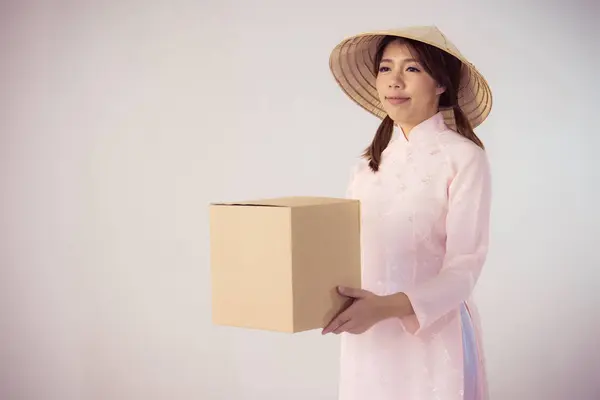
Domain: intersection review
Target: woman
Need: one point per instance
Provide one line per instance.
(424, 185)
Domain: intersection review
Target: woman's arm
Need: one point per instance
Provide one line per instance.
(467, 229)
(467, 223)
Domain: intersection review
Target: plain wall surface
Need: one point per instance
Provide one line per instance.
(120, 121)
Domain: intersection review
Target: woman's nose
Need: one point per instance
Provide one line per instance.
(396, 83)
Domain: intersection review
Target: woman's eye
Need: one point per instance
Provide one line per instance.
(412, 69)
(383, 69)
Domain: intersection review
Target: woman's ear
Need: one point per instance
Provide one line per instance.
(440, 89)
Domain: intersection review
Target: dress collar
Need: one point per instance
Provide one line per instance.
(426, 130)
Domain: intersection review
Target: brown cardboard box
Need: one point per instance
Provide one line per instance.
(275, 263)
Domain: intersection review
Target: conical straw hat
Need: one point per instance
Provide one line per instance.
(351, 63)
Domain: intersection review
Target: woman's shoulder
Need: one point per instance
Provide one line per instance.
(461, 151)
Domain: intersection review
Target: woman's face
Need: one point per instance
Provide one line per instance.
(408, 94)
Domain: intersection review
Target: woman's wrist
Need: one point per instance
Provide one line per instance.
(397, 305)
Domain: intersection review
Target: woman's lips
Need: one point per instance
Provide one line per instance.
(396, 100)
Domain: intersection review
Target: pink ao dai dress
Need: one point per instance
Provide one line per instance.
(425, 222)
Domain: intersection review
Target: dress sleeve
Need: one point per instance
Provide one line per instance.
(467, 236)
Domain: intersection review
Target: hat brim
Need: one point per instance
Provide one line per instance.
(351, 63)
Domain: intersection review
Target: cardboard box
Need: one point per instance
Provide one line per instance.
(276, 263)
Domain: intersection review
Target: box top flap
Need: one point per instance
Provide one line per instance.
(290, 202)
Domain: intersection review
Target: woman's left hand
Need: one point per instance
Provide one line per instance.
(366, 310)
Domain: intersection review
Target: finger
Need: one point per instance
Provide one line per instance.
(346, 326)
(356, 330)
(336, 319)
(337, 322)
(352, 292)
(333, 325)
